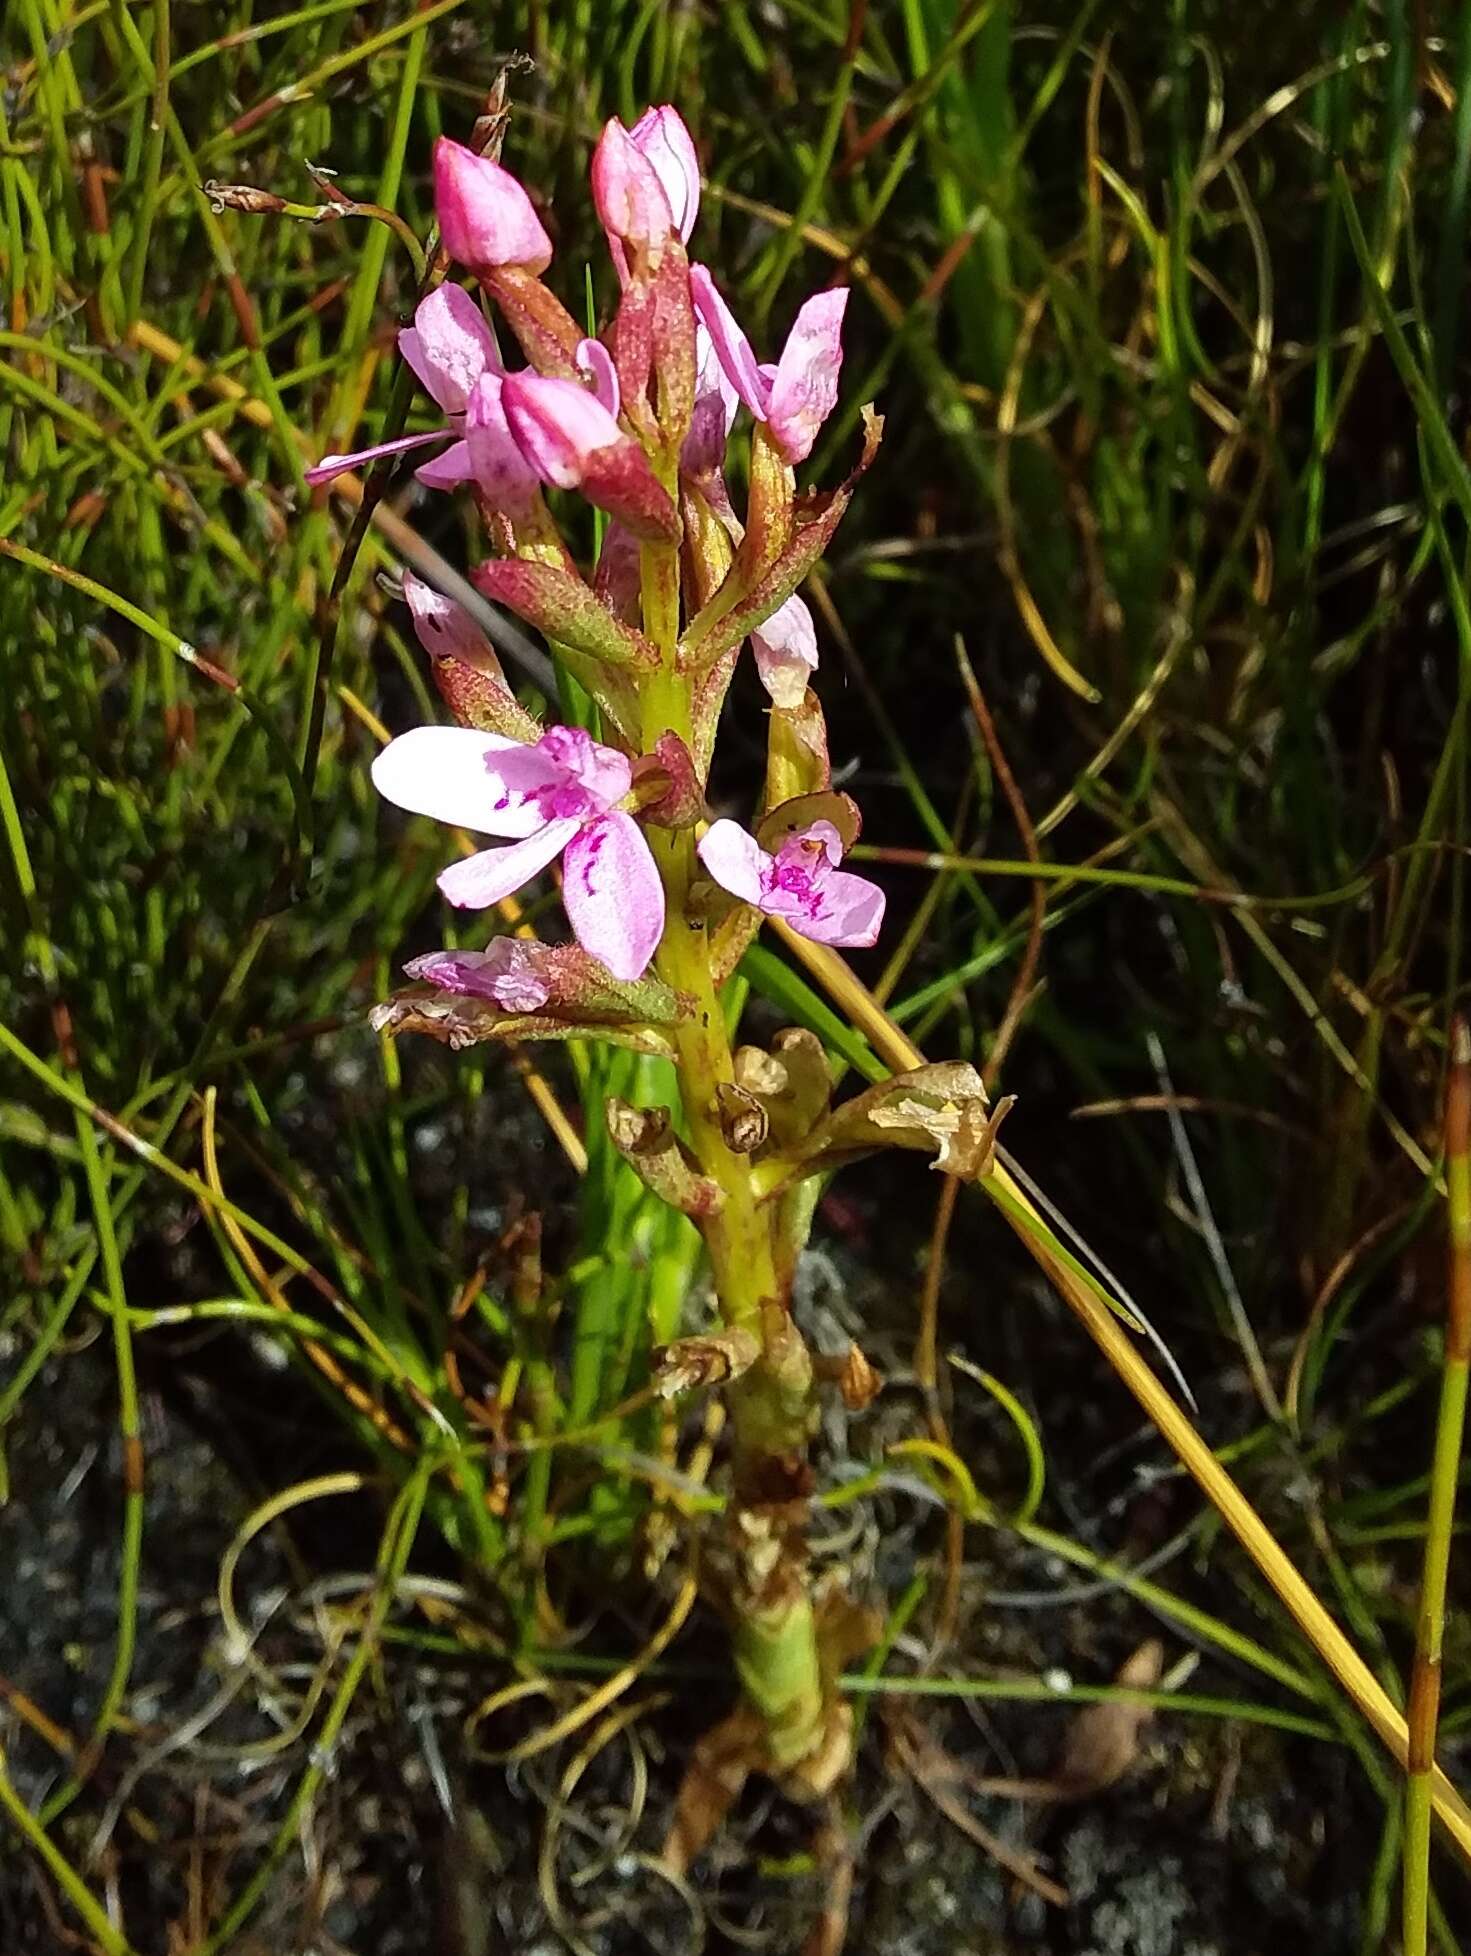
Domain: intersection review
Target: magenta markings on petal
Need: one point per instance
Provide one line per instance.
(445, 629)
(613, 894)
(505, 972)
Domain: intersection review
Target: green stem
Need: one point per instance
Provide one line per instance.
(775, 1633)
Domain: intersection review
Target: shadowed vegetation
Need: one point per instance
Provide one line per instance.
(1146, 647)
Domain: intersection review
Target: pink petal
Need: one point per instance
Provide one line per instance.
(805, 390)
(484, 879)
(714, 411)
(601, 772)
(486, 219)
(593, 359)
(631, 202)
(613, 894)
(449, 470)
(786, 652)
(505, 971)
(850, 912)
(449, 346)
(446, 772)
(732, 348)
(558, 425)
(496, 464)
(660, 134)
(734, 858)
(445, 629)
(335, 465)
(799, 843)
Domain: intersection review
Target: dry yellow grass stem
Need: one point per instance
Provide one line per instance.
(1118, 1347)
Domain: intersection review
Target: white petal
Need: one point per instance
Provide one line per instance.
(446, 772)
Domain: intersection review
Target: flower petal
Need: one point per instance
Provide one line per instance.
(593, 359)
(449, 470)
(734, 858)
(445, 629)
(506, 971)
(661, 135)
(732, 348)
(805, 390)
(613, 894)
(334, 465)
(483, 879)
(603, 772)
(497, 466)
(850, 911)
(449, 346)
(446, 772)
(632, 204)
(558, 425)
(486, 219)
(786, 652)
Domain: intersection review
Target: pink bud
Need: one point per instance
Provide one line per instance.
(558, 425)
(486, 219)
(573, 442)
(630, 198)
(662, 137)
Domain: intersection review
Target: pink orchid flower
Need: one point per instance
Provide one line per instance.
(486, 219)
(798, 394)
(450, 348)
(801, 883)
(555, 797)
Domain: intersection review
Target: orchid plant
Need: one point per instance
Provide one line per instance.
(662, 902)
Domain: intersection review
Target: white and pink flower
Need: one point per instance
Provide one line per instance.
(557, 796)
(801, 884)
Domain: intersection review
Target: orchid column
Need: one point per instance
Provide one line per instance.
(661, 905)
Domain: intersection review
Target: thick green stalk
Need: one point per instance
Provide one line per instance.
(775, 1631)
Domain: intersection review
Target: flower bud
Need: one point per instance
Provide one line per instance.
(661, 136)
(573, 442)
(630, 198)
(486, 219)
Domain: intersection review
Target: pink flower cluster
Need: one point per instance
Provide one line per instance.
(637, 422)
